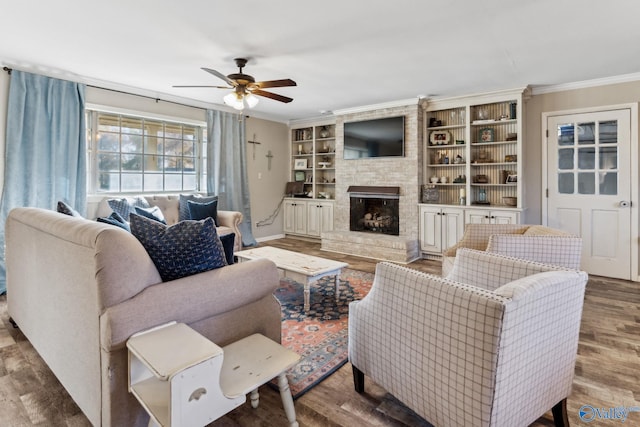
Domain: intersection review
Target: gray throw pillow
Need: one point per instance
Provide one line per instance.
(126, 205)
(184, 206)
(182, 249)
(198, 211)
(66, 209)
(153, 212)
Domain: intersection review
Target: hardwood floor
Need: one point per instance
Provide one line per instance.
(607, 370)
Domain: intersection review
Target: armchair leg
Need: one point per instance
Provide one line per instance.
(560, 416)
(358, 379)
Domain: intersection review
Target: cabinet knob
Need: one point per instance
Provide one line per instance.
(486, 216)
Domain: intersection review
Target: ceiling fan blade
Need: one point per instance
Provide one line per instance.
(221, 76)
(271, 95)
(218, 87)
(275, 83)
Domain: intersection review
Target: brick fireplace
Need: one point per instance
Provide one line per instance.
(403, 174)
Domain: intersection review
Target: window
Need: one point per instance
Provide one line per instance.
(135, 154)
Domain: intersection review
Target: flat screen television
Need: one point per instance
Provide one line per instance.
(374, 138)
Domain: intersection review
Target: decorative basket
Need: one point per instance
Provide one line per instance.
(510, 201)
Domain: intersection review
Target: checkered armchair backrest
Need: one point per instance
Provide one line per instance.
(476, 236)
(458, 354)
(557, 250)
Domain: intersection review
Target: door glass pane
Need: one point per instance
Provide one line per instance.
(565, 158)
(565, 134)
(608, 158)
(586, 183)
(586, 158)
(609, 183)
(565, 183)
(608, 132)
(586, 133)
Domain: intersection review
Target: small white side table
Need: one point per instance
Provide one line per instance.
(182, 379)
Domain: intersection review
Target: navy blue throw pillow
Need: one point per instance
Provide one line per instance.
(153, 213)
(198, 211)
(67, 210)
(184, 206)
(115, 219)
(182, 249)
(227, 243)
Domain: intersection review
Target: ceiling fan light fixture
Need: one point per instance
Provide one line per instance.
(251, 99)
(234, 100)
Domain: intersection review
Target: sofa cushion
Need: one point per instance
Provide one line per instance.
(184, 206)
(153, 213)
(115, 219)
(126, 205)
(198, 211)
(182, 249)
(66, 209)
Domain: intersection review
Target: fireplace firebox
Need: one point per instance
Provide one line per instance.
(374, 209)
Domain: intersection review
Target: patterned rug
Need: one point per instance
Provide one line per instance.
(320, 335)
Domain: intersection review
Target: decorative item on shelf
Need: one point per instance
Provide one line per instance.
(512, 178)
(324, 132)
(300, 164)
(482, 157)
(459, 141)
(510, 158)
(485, 135)
(482, 114)
(460, 179)
(433, 122)
(333, 180)
(481, 179)
(439, 138)
(504, 117)
(434, 179)
(463, 196)
(512, 110)
(322, 195)
(458, 160)
(324, 165)
(299, 148)
(512, 137)
(510, 201)
(300, 176)
(430, 194)
(482, 197)
(444, 179)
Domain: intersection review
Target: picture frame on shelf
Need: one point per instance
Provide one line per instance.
(300, 164)
(510, 158)
(441, 137)
(300, 176)
(485, 135)
(512, 179)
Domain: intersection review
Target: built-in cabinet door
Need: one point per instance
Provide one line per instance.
(295, 217)
(326, 216)
(452, 227)
(482, 216)
(319, 217)
(430, 229)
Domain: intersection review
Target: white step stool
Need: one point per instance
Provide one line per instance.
(182, 379)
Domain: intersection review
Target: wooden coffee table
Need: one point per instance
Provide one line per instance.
(302, 268)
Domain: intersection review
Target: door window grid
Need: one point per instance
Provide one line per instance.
(588, 158)
(134, 154)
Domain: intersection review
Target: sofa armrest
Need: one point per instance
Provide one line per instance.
(232, 219)
(490, 271)
(189, 300)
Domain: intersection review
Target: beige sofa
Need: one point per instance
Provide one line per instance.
(169, 204)
(78, 289)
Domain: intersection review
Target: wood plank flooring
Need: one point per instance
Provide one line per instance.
(607, 370)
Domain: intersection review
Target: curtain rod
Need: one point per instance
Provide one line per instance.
(8, 70)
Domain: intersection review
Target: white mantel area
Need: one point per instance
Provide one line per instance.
(403, 172)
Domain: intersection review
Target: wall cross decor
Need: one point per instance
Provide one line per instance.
(269, 156)
(254, 142)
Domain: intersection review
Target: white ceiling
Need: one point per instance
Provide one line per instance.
(341, 53)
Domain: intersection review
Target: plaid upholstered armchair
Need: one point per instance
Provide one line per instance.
(533, 242)
(494, 344)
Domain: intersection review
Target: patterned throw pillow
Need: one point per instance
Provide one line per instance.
(153, 213)
(126, 205)
(115, 219)
(184, 206)
(198, 211)
(180, 250)
(64, 208)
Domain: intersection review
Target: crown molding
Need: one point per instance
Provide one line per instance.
(366, 108)
(624, 78)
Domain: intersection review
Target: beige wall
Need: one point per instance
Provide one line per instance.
(600, 96)
(267, 185)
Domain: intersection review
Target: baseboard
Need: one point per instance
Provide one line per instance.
(267, 238)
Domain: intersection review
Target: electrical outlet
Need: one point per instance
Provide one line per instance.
(259, 175)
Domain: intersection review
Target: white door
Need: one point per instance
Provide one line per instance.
(589, 186)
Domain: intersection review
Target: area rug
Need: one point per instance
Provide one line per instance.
(319, 335)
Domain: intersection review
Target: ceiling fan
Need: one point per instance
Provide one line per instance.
(245, 88)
